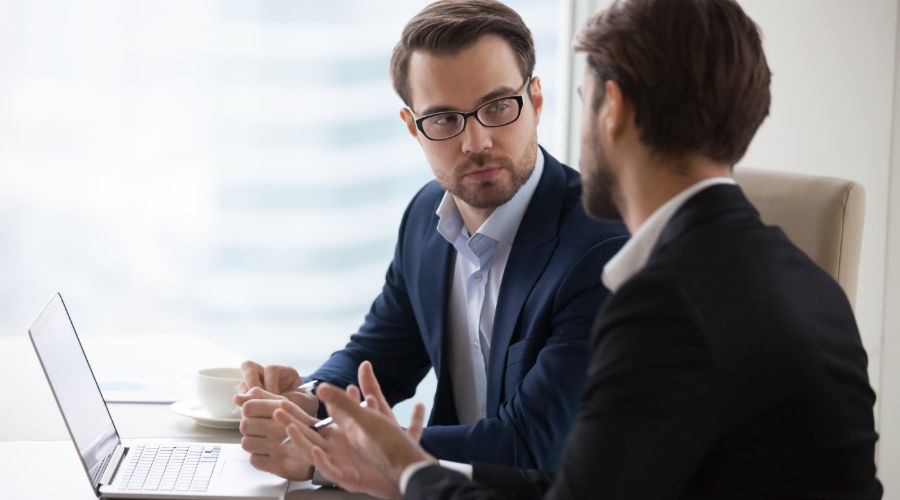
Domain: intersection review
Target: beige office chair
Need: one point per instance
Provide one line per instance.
(821, 215)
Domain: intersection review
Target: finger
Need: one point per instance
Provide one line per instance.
(322, 462)
(261, 427)
(271, 378)
(260, 393)
(240, 399)
(417, 424)
(264, 463)
(289, 379)
(255, 393)
(353, 391)
(372, 404)
(259, 408)
(297, 413)
(343, 408)
(304, 436)
(284, 418)
(251, 373)
(370, 387)
(338, 399)
(258, 445)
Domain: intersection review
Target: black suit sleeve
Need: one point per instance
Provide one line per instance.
(491, 482)
(649, 410)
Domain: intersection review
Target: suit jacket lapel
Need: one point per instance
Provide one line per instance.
(533, 246)
(435, 277)
(434, 287)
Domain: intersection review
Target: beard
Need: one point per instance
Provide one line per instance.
(493, 192)
(600, 192)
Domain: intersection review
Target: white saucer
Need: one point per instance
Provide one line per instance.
(193, 409)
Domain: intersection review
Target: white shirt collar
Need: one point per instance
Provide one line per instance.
(633, 256)
(503, 223)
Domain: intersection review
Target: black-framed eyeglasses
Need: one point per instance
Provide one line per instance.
(495, 113)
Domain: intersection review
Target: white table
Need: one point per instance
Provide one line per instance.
(37, 459)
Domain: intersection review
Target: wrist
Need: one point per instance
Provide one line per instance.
(307, 402)
(300, 473)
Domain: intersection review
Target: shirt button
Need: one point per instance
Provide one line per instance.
(477, 277)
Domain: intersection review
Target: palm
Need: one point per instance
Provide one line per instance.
(357, 470)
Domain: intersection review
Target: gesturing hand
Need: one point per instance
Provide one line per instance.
(374, 430)
(341, 463)
(345, 454)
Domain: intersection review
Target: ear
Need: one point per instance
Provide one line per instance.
(407, 117)
(617, 112)
(537, 98)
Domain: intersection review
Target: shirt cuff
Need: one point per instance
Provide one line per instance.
(464, 469)
(411, 469)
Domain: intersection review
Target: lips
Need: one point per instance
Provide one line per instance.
(484, 174)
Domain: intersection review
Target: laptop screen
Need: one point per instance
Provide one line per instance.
(74, 386)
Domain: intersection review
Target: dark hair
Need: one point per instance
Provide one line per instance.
(694, 71)
(447, 27)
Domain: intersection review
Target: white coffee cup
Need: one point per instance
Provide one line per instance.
(216, 387)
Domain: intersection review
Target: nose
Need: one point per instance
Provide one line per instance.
(476, 138)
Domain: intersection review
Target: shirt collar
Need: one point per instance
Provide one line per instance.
(634, 255)
(503, 223)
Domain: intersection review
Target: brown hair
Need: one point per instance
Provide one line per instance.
(694, 71)
(446, 27)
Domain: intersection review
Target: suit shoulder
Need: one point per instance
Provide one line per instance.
(423, 205)
(429, 195)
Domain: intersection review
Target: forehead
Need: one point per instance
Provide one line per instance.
(589, 90)
(587, 82)
(458, 81)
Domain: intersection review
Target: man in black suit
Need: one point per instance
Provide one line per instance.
(726, 364)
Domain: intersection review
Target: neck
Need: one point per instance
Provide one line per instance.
(472, 217)
(647, 185)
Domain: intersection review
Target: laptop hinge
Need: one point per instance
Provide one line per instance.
(109, 472)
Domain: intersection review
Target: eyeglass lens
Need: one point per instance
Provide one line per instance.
(492, 114)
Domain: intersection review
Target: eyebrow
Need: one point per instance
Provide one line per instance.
(490, 96)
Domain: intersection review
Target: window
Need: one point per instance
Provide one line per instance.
(206, 168)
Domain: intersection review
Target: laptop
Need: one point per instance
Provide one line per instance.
(145, 470)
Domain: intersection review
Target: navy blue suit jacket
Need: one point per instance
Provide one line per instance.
(550, 294)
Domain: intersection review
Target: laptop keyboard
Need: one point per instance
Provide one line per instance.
(168, 468)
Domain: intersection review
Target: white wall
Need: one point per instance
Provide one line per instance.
(889, 453)
(834, 113)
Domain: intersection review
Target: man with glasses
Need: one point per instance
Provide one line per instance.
(495, 280)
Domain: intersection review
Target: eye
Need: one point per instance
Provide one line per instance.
(498, 107)
(447, 120)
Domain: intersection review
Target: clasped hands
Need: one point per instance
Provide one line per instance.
(365, 450)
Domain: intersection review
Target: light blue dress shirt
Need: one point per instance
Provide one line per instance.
(477, 276)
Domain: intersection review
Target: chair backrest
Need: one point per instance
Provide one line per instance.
(821, 215)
